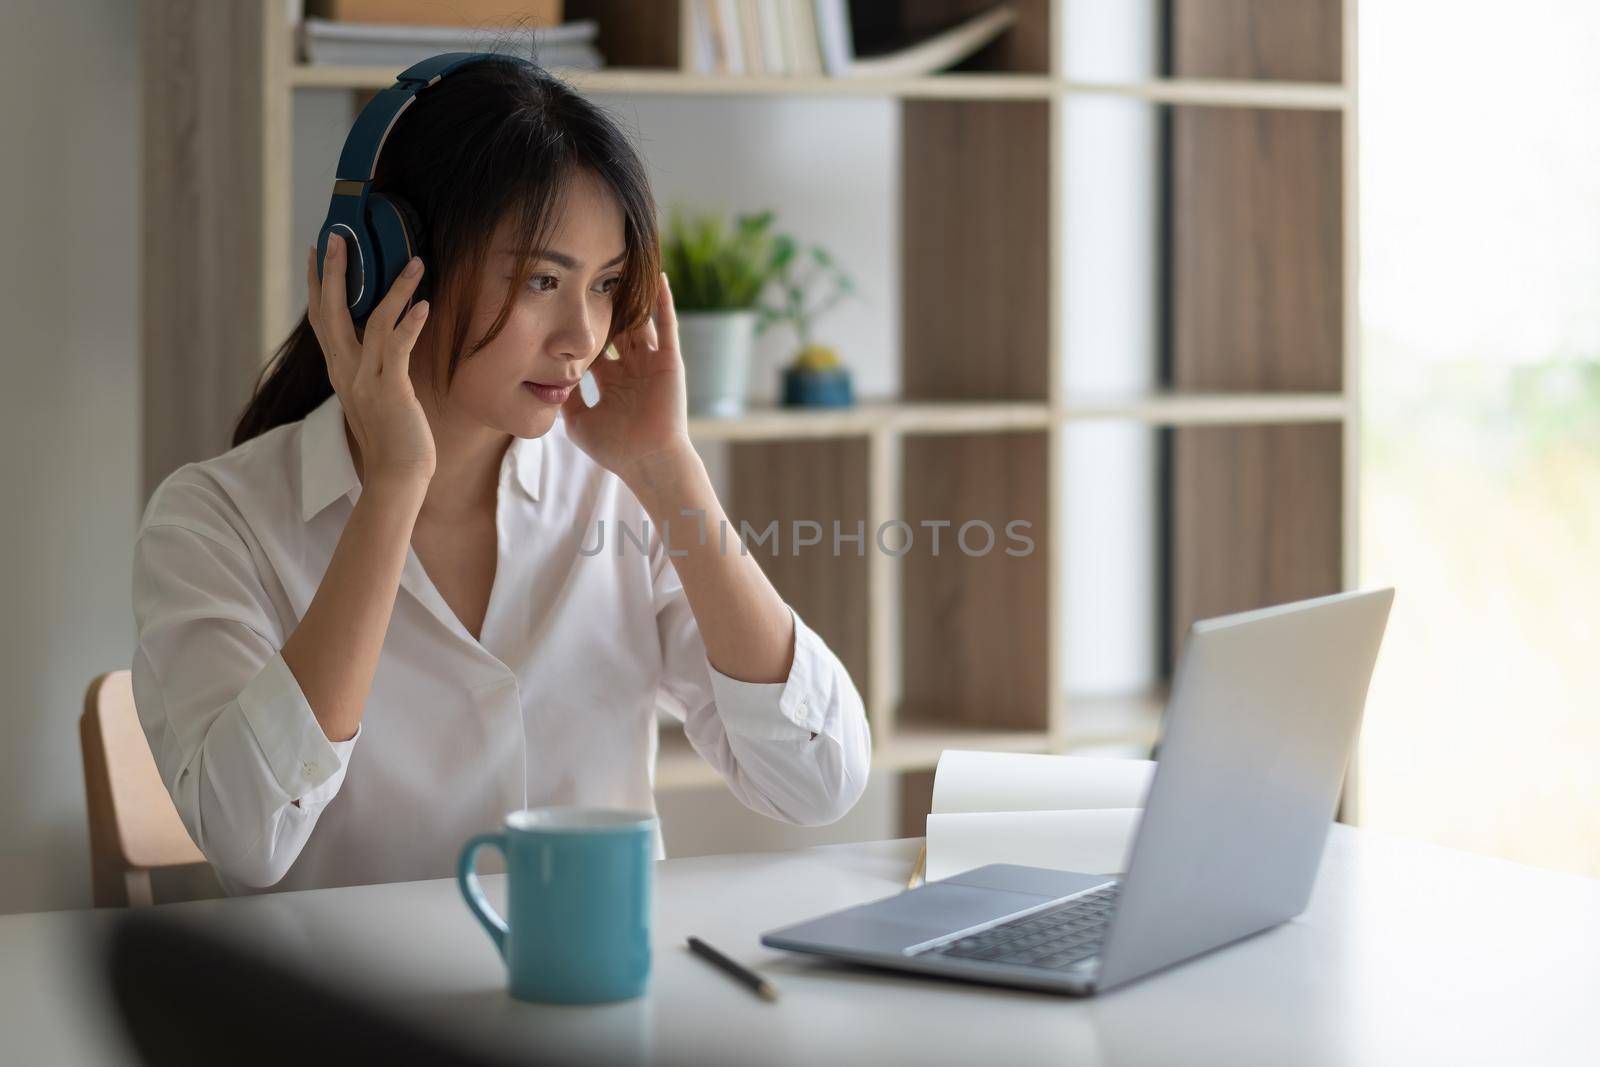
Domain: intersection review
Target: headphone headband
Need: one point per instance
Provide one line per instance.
(359, 159)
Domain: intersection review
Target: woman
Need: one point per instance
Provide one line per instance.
(379, 623)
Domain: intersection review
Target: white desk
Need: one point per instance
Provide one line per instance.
(1408, 955)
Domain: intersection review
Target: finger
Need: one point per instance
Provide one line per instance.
(397, 346)
(393, 304)
(338, 329)
(381, 323)
(648, 335)
(313, 286)
(666, 316)
(314, 316)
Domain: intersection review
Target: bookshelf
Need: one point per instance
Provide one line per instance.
(1251, 406)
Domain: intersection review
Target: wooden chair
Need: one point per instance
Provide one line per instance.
(133, 825)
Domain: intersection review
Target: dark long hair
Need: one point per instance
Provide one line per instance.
(492, 140)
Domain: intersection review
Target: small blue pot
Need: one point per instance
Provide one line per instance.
(817, 388)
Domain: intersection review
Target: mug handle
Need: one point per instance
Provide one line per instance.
(472, 891)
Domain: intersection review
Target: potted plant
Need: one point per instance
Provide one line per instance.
(716, 277)
(816, 378)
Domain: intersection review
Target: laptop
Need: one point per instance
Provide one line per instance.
(1264, 713)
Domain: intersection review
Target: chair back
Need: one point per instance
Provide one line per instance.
(133, 825)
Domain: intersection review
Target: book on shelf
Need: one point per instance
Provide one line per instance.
(755, 59)
(770, 33)
(1074, 813)
(324, 41)
(832, 38)
(803, 28)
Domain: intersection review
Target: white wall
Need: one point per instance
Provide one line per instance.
(69, 414)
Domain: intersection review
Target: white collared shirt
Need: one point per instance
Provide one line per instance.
(579, 651)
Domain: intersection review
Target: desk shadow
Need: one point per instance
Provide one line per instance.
(620, 1033)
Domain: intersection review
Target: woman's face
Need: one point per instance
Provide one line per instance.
(559, 317)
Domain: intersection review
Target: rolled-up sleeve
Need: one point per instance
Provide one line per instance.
(798, 750)
(248, 765)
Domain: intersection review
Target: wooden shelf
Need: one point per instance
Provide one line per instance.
(1222, 92)
(1005, 416)
(915, 747)
(671, 82)
(959, 86)
(1217, 409)
(905, 416)
(1131, 722)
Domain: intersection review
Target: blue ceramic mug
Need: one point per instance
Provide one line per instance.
(577, 924)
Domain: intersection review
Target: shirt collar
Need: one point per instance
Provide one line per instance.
(327, 472)
(528, 457)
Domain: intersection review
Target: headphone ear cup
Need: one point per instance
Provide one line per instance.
(392, 245)
(414, 235)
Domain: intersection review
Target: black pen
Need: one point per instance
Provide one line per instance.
(758, 985)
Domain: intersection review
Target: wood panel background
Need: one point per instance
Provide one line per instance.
(820, 481)
(1256, 245)
(1257, 304)
(1255, 518)
(1273, 40)
(975, 274)
(975, 627)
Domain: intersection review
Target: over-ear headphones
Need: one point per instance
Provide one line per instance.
(381, 233)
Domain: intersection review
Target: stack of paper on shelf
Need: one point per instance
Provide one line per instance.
(1071, 813)
(567, 46)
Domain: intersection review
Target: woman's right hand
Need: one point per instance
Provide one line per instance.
(371, 372)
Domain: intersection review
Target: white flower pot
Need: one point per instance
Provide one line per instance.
(717, 348)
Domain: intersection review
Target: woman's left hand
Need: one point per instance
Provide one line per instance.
(640, 426)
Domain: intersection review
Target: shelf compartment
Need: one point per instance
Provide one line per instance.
(1256, 274)
(976, 262)
(822, 481)
(1265, 39)
(974, 638)
(1256, 519)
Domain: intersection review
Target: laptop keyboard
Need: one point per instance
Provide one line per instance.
(1054, 938)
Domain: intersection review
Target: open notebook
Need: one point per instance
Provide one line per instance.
(1074, 813)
